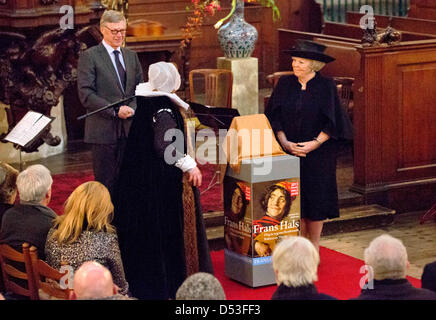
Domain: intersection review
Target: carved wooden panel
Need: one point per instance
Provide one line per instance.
(422, 9)
(417, 118)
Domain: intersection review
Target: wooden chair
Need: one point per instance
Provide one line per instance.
(47, 279)
(212, 87)
(9, 258)
(274, 78)
(345, 92)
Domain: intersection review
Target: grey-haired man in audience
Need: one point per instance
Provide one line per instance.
(387, 258)
(31, 219)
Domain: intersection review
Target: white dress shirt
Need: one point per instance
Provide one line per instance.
(111, 50)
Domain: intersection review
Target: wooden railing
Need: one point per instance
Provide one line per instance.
(335, 10)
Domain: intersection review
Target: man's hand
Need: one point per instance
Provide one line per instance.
(125, 112)
(195, 177)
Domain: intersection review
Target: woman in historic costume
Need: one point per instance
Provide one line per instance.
(308, 120)
(157, 208)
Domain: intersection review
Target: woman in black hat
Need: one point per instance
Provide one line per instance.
(307, 118)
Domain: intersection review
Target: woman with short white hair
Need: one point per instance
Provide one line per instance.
(295, 262)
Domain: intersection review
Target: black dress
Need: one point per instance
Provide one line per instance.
(149, 210)
(302, 115)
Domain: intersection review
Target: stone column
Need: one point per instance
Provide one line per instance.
(245, 93)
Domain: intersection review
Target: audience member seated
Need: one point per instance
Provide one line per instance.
(31, 219)
(201, 286)
(84, 233)
(8, 188)
(295, 263)
(92, 281)
(428, 280)
(387, 258)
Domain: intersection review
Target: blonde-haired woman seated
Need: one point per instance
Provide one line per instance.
(295, 263)
(84, 232)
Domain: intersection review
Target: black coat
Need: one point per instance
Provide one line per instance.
(149, 210)
(3, 208)
(400, 289)
(428, 280)
(299, 293)
(302, 115)
(27, 223)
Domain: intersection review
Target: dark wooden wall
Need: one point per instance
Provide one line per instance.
(298, 15)
(422, 9)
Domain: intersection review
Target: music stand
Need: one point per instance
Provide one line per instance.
(216, 118)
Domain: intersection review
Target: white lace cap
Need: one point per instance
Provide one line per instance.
(163, 76)
(164, 80)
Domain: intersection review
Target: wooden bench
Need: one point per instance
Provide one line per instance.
(410, 25)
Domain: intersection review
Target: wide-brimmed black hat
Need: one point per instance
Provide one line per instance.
(310, 50)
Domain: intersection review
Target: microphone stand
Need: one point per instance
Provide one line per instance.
(111, 105)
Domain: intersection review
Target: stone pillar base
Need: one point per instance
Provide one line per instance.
(245, 95)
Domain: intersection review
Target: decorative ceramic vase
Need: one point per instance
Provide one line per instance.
(237, 37)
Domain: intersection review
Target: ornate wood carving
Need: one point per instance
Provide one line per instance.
(34, 74)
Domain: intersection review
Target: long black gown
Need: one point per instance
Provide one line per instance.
(149, 210)
(302, 115)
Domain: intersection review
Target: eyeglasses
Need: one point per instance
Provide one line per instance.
(115, 31)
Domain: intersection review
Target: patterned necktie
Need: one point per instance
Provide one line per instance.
(121, 71)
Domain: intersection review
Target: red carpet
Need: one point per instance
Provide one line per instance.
(338, 274)
(64, 184)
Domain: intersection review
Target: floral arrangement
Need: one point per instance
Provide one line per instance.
(204, 8)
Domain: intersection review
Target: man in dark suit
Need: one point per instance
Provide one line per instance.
(108, 73)
(387, 258)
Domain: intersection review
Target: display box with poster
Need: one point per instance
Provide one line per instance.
(259, 210)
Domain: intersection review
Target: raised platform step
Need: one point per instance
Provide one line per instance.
(359, 218)
(351, 219)
(349, 198)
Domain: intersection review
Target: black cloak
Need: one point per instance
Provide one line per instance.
(149, 211)
(302, 115)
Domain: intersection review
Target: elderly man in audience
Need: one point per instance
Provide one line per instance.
(92, 281)
(201, 286)
(295, 263)
(8, 187)
(30, 220)
(387, 258)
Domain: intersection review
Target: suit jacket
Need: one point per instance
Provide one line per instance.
(299, 293)
(98, 86)
(399, 289)
(428, 279)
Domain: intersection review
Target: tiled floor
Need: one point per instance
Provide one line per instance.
(419, 239)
